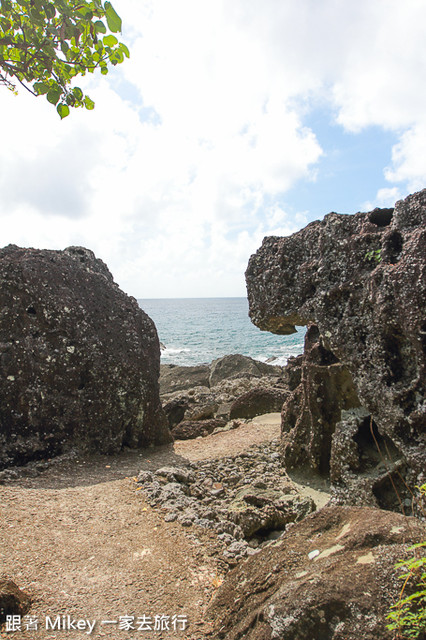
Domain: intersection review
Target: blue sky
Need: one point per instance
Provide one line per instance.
(231, 121)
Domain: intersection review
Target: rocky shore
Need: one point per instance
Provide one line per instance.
(198, 400)
(351, 417)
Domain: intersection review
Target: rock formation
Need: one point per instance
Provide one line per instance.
(257, 402)
(79, 360)
(238, 366)
(362, 280)
(330, 576)
(234, 386)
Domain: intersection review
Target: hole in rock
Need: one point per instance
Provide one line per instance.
(376, 452)
(393, 247)
(31, 311)
(381, 217)
(266, 534)
(322, 356)
(391, 491)
(393, 342)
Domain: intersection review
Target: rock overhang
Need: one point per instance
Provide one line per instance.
(362, 280)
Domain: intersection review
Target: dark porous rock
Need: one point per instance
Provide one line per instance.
(175, 410)
(13, 601)
(197, 403)
(362, 280)
(79, 360)
(257, 402)
(331, 576)
(293, 370)
(176, 378)
(238, 366)
(313, 409)
(202, 411)
(188, 429)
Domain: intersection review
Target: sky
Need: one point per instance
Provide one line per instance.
(232, 120)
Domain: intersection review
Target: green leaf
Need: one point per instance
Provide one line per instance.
(110, 40)
(53, 94)
(49, 10)
(125, 50)
(113, 19)
(104, 71)
(100, 27)
(40, 88)
(63, 110)
(78, 93)
(88, 103)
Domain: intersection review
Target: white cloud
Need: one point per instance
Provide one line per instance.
(385, 197)
(186, 161)
(408, 158)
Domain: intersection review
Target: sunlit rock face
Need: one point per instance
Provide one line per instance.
(361, 279)
(79, 360)
(330, 576)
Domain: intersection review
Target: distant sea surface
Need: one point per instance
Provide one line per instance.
(198, 330)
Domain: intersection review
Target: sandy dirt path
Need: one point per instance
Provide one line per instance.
(83, 543)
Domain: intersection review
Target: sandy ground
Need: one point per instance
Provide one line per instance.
(81, 540)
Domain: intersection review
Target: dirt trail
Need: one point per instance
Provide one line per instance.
(83, 543)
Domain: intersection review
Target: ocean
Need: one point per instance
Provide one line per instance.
(198, 330)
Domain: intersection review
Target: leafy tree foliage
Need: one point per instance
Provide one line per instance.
(44, 44)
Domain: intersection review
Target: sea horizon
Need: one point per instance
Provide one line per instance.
(201, 329)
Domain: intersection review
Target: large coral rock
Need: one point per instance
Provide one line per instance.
(178, 378)
(238, 366)
(79, 360)
(189, 429)
(330, 576)
(257, 402)
(362, 280)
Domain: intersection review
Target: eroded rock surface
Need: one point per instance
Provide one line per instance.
(362, 280)
(330, 576)
(79, 360)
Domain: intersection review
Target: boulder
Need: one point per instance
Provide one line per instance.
(362, 280)
(257, 510)
(329, 576)
(195, 404)
(13, 601)
(238, 366)
(178, 378)
(257, 402)
(175, 410)
(79, 360)
(188, 429)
